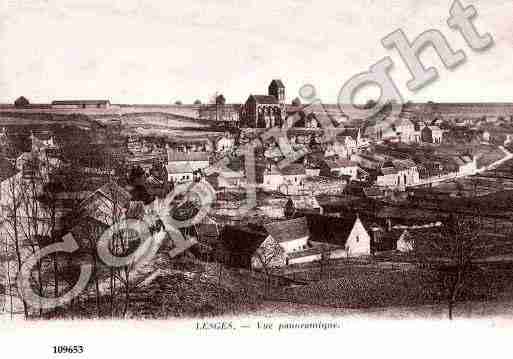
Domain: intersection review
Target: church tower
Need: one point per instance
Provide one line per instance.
(277, 89)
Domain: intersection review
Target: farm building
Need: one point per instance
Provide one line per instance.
(76, 104)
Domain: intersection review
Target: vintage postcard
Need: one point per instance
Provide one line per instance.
(188, 173)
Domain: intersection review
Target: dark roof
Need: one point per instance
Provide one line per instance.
(7, 170)
(80, 102)
(265, 99)
(187, 156)
(328, 229)
(242, 240)
(293, 169)
(340, 163)
(389, 171)
(284, 231)
(277, 83)
(351, 132)
(207, 232)
(175, 168)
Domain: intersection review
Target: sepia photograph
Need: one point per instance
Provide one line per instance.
(201, 171)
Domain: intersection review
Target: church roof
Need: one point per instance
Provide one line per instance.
(278, 83)
(265, 99)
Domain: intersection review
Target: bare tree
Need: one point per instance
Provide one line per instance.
(12, 200)
(269, 254)
(452, 254)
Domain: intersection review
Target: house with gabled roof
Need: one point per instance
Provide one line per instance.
(340, 167)
(432, 134)
(75, 104)
(294, 241)
(107, 204)
(398, 174)
(283, 179)
(347, 232)
(182, 166)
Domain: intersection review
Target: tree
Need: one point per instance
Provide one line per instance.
(178, 103)
(11, 212)
(197, 102)
(324, 262)
(296, 102)
(268, 255)
(21, 102)
(369, 104)
(453, 254)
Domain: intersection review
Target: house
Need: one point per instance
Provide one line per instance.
(318, 185)
(293, 241)
(180, 172)
(292, 235)
(237, 247)
(348, 232)
(76, 104)
(336, 148)
(432, 134)
(225, 177)
(405, 130)
(189, 145)
(355, 138)
(289, 242)
(107, 204)
(276, 179)
(367, 160)
(406, 242)
(466, 164)
(379, 130)
(398, 174)
(225, 143)
(349, 143)
(43, 143)
(195, 160)
(302, 204)
(340, 167)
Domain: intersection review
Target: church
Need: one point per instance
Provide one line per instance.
(265, 111)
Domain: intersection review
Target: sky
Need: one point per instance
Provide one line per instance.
(158, 52)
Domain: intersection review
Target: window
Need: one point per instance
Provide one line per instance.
(357, 239)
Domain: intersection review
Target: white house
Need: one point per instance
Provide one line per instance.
(432, 134)
(224, 143)
(337, 148)
(349, 143)
(405, 130)
(467, 164)
(405, 243)
(348, 233)
(340, 167)
(290, 177)
(179, 172)
(486, 136)
(398, 174)
(183, 163)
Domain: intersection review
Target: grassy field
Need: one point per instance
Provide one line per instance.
(362, 288)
